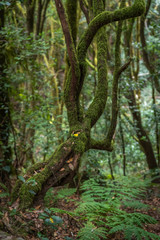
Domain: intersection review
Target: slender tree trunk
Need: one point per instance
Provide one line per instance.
(141, 133)
(123, 144)
(110, 166)
(156, 119)
(5, 122)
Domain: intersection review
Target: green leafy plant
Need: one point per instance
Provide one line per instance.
(66, 192)
(103, 208)
(42, 236)
(49, 219)
(52, 195)
(4, 192)
(91, 232)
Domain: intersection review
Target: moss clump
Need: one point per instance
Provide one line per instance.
(31, 187)
(80, 143)
(36, 167)
(28, 191)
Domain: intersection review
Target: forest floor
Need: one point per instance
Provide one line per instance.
(12, 221)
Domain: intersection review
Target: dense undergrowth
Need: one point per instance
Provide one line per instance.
(105, 207)
(102, 209)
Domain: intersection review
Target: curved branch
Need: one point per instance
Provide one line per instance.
(101, 145)
(124, 67)
(137, 9)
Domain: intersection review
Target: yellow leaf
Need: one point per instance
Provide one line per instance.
(51, 220)
(75, 135)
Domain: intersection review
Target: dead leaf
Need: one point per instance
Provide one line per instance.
(15, 205)
(6, 218)
(62, 169)
(38, 207)
(70, 160)
(71, 166)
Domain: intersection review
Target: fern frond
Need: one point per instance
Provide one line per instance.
(66, 192)
(133, 231)
(101, 204)
(139, 234)
(91, 232)
(135, 204)
(58, 210)
(3, 186)
(3, 195)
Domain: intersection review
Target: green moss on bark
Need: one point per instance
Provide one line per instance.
(97, 106)
(80, 143)
(36, 167)
(31, 187)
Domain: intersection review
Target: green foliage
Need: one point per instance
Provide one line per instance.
(21, 178)
(49, 198)
(4, 192)
(65, 192)
(136, 204)
(42, 236)
(4, 3)
(136, 232)
(52, 195)
(49, 219)
(3, 186)
(103, 205)
(1, 215)
(58, 210)
(130, 223)
(91, 232)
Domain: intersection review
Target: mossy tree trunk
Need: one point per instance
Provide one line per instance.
(64, 163)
